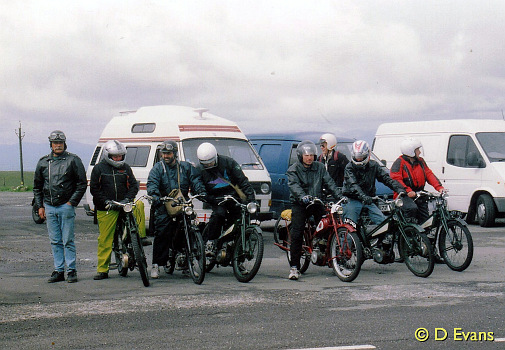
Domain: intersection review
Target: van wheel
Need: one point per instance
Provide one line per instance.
(486, 211)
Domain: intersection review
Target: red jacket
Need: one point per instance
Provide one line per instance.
(413, 176)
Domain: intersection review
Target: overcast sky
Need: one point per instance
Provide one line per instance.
(268, 65)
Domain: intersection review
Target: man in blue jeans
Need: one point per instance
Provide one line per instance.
(58, 186)
(359, 183)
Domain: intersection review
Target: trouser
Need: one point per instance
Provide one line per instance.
(140, 217)
(353, 208)
(107, 221)
(60, 226)
(299, 215)
(164, 230)
(218, 219)
(416, 211)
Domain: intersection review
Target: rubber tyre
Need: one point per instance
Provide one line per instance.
(418, 256)
(247, 262)
(280, 224)
(305, 258)
(456, 246)
(140, 257)
(486, 211)
(35, 215)
(196, 255)
(346, 257)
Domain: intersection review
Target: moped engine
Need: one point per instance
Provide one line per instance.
(383, 256)
(224, 254)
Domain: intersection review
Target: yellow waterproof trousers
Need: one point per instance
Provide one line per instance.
(107, 225)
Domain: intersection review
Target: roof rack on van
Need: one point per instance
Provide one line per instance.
(200, 112)
(126, 112)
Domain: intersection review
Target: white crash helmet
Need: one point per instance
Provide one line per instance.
(361, 150)
(330, 139)
(409, 146)
(114, 148)
(207, 154)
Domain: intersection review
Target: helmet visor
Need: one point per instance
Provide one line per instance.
(166, 147)
(57, 136)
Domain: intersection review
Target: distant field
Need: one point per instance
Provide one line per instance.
(10, 180)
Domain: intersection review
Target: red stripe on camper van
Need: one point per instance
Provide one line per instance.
(225, 128)
(139, 139)
(143, 186)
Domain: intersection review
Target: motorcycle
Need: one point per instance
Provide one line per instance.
(379, 240)
(240, 243)
(328, 244)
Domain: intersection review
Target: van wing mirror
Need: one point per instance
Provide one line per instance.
(384, 162)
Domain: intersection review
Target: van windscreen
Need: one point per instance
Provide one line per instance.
(240, 150)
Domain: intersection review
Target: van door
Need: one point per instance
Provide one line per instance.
(461, 175)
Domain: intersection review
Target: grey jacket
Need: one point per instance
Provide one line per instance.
(59, 180)
(309, 181)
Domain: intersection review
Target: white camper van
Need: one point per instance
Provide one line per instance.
(142, 130)
(467, 155)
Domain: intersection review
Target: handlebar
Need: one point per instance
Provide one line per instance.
(127, 207)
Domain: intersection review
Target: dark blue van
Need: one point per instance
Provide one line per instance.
(278, 152)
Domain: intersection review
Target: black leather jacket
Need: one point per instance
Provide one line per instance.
(108, 182)
(231, 171)
(360, 181)
(304, 181)
(58, 180)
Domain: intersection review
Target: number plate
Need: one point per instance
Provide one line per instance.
(384, 207)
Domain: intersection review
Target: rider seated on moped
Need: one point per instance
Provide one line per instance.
(412, 172)
(167, 175)
(306, 180)
(359, 184)
(221, 175)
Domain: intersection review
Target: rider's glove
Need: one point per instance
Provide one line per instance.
(367, 200)
(306, 199)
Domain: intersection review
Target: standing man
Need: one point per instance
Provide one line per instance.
(58, 186)
(167, 175)
(306, 180)
(333, 160)
(111, 179)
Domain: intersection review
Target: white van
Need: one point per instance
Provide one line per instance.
(143, 130)
(467, 155)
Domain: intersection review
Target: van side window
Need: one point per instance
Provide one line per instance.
(463, 152)
(293, 157)
(95, 155)
(137, 156)
(143, 127)
(270, 155)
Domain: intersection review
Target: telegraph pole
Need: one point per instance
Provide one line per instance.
(20, 137)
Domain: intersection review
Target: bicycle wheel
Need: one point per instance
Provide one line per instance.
(346, 255)
(248, 254)
(416, 249)
(456, 246)
(140, 257)
(305, 258)
(196, 255)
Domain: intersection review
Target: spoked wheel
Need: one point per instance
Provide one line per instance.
(396, 250)
(305, 258)
(196, 255)
(346, 254)
(121, 255)
(456, 246)
(248, 254)
(140, 257)
(417, 252)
